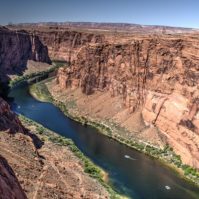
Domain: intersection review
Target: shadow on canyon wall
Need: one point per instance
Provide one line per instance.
(16, 48)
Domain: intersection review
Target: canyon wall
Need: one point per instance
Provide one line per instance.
(157, 73)
(24, 157)
(65, 44)
(16, 48)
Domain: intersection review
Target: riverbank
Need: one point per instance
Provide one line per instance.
(44, 134)
(88, 166)
(39, 91)
(49, 166)
(165, 155)
(43, 72)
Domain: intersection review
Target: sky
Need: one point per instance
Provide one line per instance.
(181, 13)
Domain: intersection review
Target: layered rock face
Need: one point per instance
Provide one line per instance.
(9, 185)
(158, 74)
(16, 48)
(65, 44)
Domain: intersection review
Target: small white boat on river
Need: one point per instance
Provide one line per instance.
(129, 157)
(167, 187)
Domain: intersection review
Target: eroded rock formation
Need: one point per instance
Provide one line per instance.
(16, 48)
(9, 185)
(157, 73)
(64, 45)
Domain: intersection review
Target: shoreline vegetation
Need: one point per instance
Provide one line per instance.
(165, 156)
(89, 167)
(20, 79)
(45, 134)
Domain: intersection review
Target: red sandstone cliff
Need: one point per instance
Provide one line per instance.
(65, 44)
(159, 74)
(17, 47)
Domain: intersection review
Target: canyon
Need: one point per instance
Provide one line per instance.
(22, 148)
(144, 80)
(17, 48)
(154, 74)
(158, 76)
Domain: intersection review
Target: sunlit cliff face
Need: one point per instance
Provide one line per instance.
(158, 74)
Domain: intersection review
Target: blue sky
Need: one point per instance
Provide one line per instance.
(182, 13)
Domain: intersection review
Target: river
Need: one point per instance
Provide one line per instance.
(130, 172)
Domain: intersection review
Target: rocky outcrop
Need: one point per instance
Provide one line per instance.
(9, 185)
(175, 117)
(8, 120)
(16, 48)
(157, 73)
